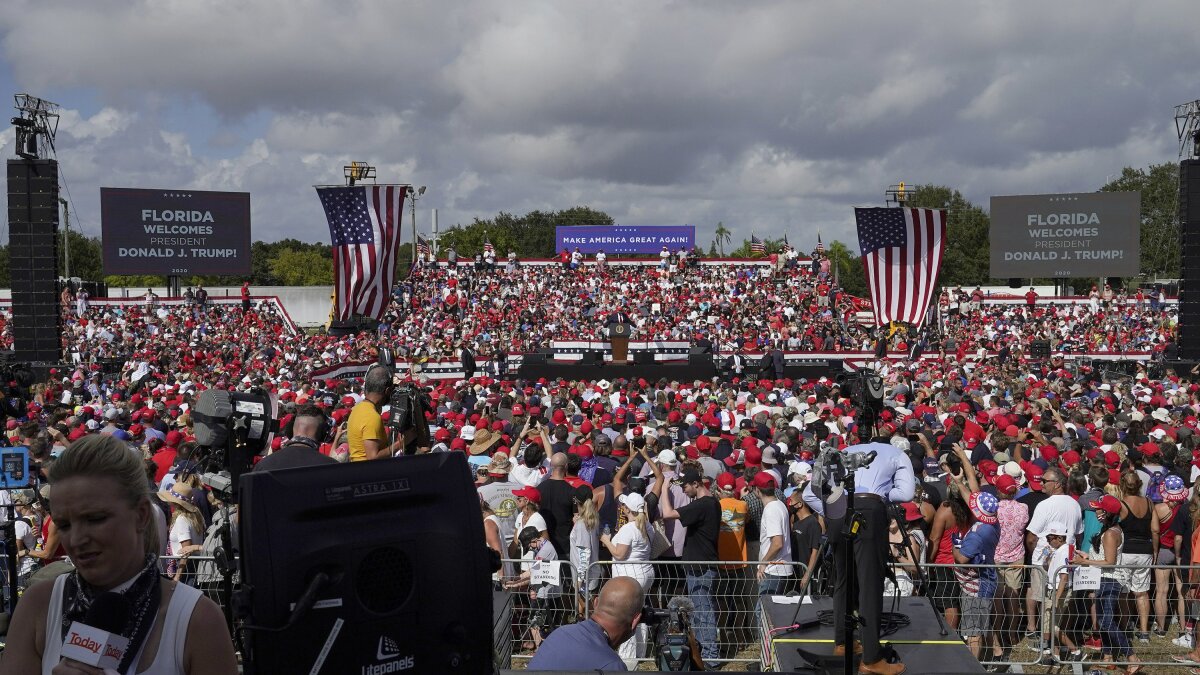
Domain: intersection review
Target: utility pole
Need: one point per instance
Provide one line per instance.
(66, 238)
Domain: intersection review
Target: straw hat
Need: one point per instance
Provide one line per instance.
(180, 494)
(483, 440)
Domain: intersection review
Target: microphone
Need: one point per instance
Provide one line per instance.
(95, 641)
(679, 602)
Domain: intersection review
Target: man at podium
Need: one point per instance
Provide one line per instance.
(619, 328)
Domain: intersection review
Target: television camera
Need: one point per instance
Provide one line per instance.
(675, 648)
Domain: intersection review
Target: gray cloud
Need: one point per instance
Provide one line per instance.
(772, 117)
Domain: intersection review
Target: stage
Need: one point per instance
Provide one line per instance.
(574, 370)
(919, 644)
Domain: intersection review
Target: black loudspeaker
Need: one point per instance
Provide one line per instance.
(1039, 349)
(1015, 282)
(33, 258)
(534, 359)
(393, 554)
(700, 359)
(1189, 239)
(699, 349)
(643, 358)
(593, 357)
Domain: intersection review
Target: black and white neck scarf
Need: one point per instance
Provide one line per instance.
(144, 596)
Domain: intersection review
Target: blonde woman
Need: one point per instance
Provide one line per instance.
(186, 528)
(630, 549)
(102, 505)
(585, 544)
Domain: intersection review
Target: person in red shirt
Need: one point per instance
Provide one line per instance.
(1031, 297)
(245, 296)
(164, 458)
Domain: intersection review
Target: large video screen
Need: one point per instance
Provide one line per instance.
(175, 232)
(1088, 234)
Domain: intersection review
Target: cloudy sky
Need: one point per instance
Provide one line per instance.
(773, 117)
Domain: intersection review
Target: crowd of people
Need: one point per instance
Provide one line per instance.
(522, 308)
(1032, 468)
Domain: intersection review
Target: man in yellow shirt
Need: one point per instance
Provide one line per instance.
(367, 436)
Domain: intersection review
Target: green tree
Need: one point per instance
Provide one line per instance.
(529, 236)
(847, 267)
(966, 257)
(1159, 239)
(297, 267)
(724, 236)
(85, 256)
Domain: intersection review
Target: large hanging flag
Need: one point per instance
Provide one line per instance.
(820, 246)
(364, 225)
(423, 246)
(757, 245)
(902, 255)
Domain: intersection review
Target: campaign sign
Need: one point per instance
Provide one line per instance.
(1090, 234)
(624, 239)
(175, 232)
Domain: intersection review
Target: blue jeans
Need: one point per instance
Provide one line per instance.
(1116, 643)
(704, 618)
(773, 585)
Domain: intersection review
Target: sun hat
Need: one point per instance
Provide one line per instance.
(1174, 489)
(180, 494)
(984, 506)
(500, 465)
(483, 441)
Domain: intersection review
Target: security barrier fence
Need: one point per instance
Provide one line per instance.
(1106, 618)
(1121, 615)
(720, 600)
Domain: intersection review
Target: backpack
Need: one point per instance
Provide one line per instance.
(1154, 489)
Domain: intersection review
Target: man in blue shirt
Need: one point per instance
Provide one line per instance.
(592, 644)
(887, 479)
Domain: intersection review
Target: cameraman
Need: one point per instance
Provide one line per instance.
(367, 435)
(304, 448)
(887, 479)
(591, 644)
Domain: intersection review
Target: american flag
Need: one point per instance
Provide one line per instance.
(820, 246)
(487, 247)
(422, 246)
(757, 245)
(902, 254)
(364, 225)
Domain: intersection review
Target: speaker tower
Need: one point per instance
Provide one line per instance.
(33, 259)
(1189, 262)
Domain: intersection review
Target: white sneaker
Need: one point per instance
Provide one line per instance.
(1184, 640)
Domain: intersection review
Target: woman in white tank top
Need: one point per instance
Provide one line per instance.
(100, 498)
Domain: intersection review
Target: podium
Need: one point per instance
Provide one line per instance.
(618, 339)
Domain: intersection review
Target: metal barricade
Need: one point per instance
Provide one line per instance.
(1138, 615)
(998, 620)
(533, 617)
(725, 618)
(199, 572)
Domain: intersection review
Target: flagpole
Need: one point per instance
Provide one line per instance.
(414, 193)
